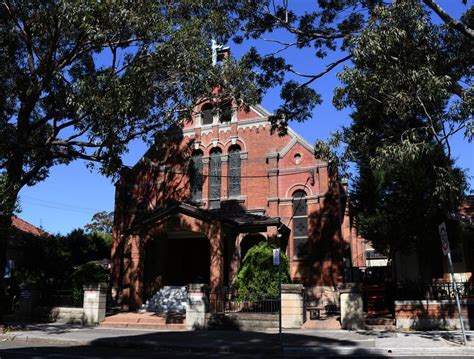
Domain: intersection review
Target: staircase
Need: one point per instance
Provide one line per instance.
(169, 299)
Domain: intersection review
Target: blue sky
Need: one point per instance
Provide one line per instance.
(69, 197)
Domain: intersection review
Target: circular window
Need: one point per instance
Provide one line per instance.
(297, 158)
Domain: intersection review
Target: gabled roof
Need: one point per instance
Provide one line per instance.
(22, 232)
(24, 227)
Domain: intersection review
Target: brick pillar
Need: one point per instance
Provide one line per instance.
(217, 257)
(236, 257)
(292, 306)
(136, 272)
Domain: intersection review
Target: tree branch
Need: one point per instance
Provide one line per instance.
(321, 74)
(448, 20)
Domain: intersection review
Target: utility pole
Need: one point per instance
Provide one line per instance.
(447, 252)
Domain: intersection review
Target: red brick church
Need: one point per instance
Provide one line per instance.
(191, 208)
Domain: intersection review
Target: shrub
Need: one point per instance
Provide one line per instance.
(258, 277)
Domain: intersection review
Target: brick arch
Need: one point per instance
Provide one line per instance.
(210, 147)
(241, 143)
(200, 147)
(296, 187)
(205, 104)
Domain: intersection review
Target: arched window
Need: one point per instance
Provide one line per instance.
(234, 171)
(300, 224)
(196, 176)
(226, 113)
(215, 178)
(206, 114)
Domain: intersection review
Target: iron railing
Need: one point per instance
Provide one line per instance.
(432, 291)
(228, 303)
(60, 298)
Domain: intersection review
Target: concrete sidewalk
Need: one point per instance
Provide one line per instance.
(294, 342)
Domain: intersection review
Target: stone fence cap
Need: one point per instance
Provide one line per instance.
(350, 288)
(292, 288)
(99, 286)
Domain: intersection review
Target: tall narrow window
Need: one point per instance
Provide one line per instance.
(300, 224)
(234, 171)
(206, 114)
(196, 176)
(215, 178)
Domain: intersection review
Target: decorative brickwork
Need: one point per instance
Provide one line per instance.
(248, 177)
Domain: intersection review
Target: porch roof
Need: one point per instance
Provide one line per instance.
(237, 219)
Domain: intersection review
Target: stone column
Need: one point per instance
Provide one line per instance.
(95, 298)
(196, 306)
(352, 308)
(292, 306)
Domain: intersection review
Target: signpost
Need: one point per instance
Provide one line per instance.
(447, 252)
(277, 262)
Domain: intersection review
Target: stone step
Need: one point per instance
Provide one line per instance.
(145, 320)
(169, 327)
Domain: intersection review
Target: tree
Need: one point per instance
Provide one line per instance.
(62, 262)
(408, 102)
(81, 80)
(331, 28)
(409, 81)
(101, 222)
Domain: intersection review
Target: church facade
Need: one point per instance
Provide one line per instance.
(196, 202)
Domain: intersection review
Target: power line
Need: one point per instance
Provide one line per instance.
(63, 209)
(57, 205)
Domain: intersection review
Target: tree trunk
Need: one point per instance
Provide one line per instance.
(10, 195)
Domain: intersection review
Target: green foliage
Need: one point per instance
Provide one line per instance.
(407, 91)
(101, 226)
(50, 262)
(80, 80)
(87, 273)
(258, 277)
(324, 26)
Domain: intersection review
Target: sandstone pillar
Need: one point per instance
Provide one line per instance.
(95, 298)
(196, 306)
(292, 306)
(352, 308)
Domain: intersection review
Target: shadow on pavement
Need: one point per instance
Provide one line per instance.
(205, 343)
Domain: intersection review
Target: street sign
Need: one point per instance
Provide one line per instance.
(444, 238)
(276, 257)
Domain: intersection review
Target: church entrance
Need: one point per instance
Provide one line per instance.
(187, 260)
(176, 259)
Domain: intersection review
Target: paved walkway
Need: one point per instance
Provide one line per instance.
(327, 342)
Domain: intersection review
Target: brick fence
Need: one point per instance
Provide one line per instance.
(433, 314)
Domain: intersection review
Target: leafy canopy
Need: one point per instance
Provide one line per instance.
(408, 94)
(81, 80)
